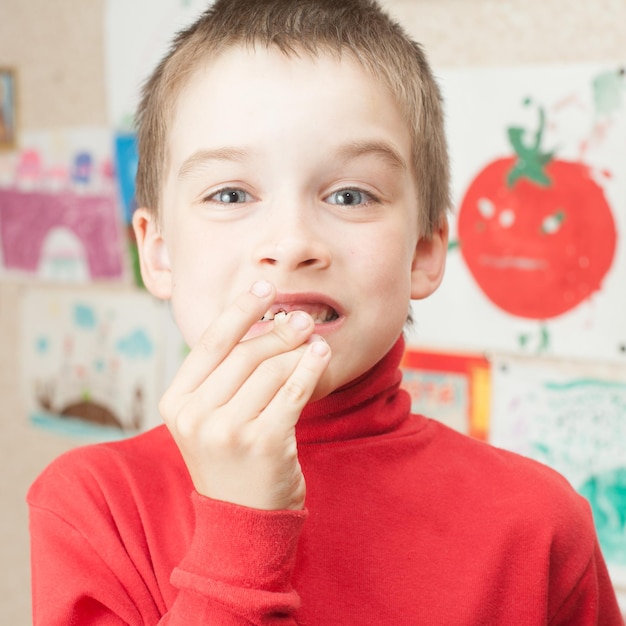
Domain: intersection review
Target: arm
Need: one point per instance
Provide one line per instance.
(232, 411)
(248, 578)
(77, 580)
(592, 602)
(73, 582)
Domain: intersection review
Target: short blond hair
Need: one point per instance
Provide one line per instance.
(356, 27)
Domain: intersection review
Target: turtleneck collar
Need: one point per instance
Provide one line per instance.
(370, 405)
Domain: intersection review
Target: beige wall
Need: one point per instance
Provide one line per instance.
(56, 45)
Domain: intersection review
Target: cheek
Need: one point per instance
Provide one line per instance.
(386, 266)
(193, 302)
(190, 314)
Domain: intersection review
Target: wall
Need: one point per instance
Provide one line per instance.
(57, 48)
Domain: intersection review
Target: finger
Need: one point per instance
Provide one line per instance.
(254, 394)
(283, 410)
(221, 336)
(230, 376)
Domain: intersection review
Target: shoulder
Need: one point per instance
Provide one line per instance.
(514, 487)
(102, 458)
(528, 514)
(108, 471)
(480, 457)
(524, 506)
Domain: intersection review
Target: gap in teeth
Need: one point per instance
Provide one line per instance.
(280, 317)
(328, 315)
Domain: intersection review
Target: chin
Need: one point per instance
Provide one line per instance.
(332, 381)
(327, 385)
(320, 392)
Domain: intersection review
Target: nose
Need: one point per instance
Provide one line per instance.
(292, 242)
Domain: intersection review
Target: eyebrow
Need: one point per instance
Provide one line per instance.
(353, 150)
(377, 148)
(200, 158)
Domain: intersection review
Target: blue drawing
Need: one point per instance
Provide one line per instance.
(42, 345)
(135, 345)
(84, 316)
(76, 427)
(578, 428)
(126, 159)
(606, 493)
(7, 123)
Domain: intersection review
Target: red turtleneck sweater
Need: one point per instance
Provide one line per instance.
(406, 522)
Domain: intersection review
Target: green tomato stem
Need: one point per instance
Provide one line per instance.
(531, 161)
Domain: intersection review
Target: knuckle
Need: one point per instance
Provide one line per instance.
(264, 447)
(274, 369)
(212, 343)
(224, 438)
(164, 406)
(288, 336)
(186, 425)
(168, 407)
(284, 336)
(295, 391)
(183, 417)
(242, 306)
(269, 444)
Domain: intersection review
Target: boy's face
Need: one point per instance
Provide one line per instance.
(297, 171)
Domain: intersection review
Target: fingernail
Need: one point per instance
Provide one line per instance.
(261, 289)
(320, 347)
(298, 320)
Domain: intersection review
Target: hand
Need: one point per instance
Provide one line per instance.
(233, 406)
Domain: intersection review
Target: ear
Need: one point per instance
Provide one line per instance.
(429, 262)
(154, 261)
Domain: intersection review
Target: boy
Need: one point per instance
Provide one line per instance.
(293, 184)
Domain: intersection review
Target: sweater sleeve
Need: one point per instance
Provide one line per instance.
(88, 568)
(592, 601)
(247, 579)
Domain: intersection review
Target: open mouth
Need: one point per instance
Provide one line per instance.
(321, 313)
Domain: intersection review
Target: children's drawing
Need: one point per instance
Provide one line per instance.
(535, 231)
(537, 260)
(60, 236)
(571, 416)
(59, 215)
(126, 161)
(452, 388)
(92, 361)
(7, 109)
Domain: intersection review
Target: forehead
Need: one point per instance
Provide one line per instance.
(247, 91)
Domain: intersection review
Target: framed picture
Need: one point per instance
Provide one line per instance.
(7, 109)
(452, 388)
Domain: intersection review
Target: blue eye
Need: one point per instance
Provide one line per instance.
(348, 197)
(230, 196)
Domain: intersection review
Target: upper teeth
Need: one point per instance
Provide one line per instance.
(325, 314)
(278, 316)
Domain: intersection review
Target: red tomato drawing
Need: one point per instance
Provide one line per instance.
(536, 232)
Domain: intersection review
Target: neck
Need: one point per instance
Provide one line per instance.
(369, 405)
